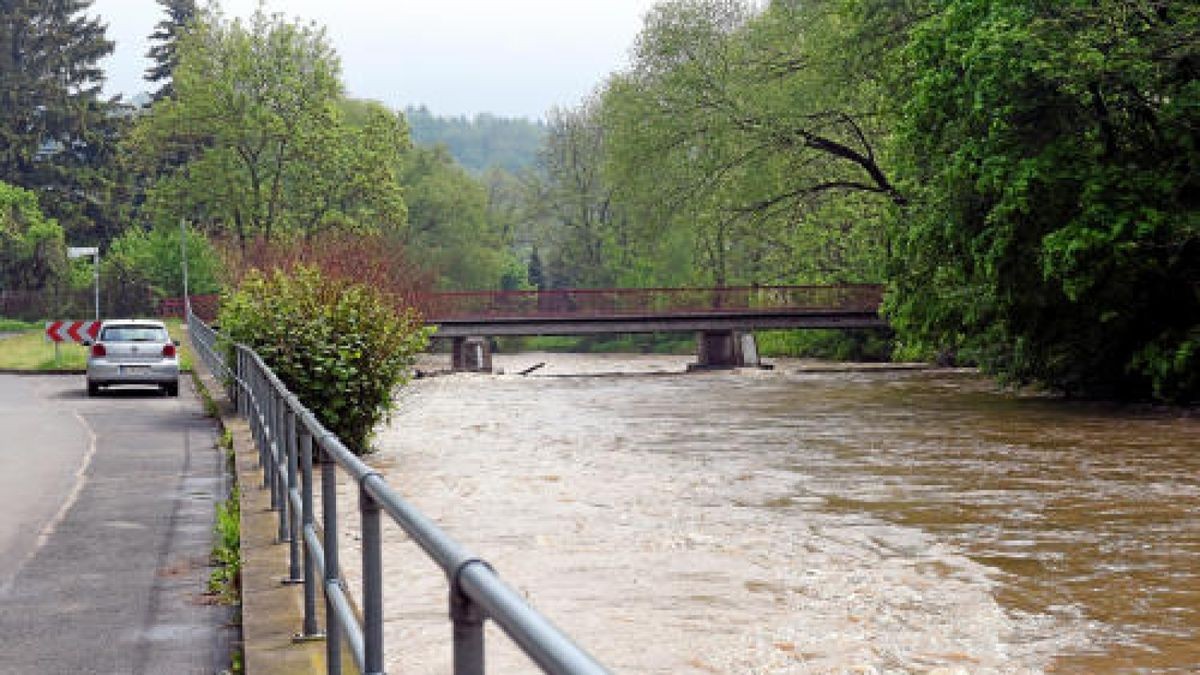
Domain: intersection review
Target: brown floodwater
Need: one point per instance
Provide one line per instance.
(799, 520)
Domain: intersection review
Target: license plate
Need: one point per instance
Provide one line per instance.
(134, 370)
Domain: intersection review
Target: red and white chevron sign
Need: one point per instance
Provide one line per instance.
(72, 331)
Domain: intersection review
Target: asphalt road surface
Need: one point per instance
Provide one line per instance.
(106, 514)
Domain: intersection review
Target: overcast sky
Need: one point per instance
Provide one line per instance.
(509, 57)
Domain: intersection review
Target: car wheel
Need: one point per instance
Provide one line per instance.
(171, 389)
(93, 389)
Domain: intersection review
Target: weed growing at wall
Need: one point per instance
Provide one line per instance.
(225, 579)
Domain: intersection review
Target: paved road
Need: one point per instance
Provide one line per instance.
(106, 514)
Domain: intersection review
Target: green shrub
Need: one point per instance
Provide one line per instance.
(649, 343)
(830, 344)
(341, 347)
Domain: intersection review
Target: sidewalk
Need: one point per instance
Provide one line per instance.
(272, 612)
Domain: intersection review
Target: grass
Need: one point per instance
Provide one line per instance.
(225, 579)
(15, 325)
(29, 350)
(657, 343)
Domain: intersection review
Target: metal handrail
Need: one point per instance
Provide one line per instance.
(286, 435)
(616, 302)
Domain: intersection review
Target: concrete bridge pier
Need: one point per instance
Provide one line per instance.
(725, 349)
(471, 354)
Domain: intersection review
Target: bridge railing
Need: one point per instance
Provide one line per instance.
(204, 306)
(647, 301)
(288, 436)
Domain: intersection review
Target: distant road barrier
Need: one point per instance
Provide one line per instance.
(286, 435)
(72, 331)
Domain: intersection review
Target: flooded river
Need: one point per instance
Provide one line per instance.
(800, 521)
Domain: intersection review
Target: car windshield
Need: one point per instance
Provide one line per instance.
(133, 334)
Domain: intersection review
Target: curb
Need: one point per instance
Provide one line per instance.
(272, 612)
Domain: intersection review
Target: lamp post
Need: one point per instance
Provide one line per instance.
(81, 251)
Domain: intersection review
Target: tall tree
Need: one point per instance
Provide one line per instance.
(1052, 152)
(447, 221)
(165, 52)
(254, 137)
(576, 203)
(737, 130)
(57, 135)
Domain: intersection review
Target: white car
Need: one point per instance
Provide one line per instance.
(133, 351)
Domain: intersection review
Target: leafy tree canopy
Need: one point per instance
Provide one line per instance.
(1051, 149)
(255, 139)
(157, 256)
(32, 248)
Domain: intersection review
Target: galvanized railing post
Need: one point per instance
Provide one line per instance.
(255, 408)
(467, 618)
(306, 517)
(271, 433)
(274, 447)
(268, 431)
(244, 398)
(264, 417)
(293, 488)
(372, 579)
(240, 401)
(329, 522)
(260, 415)
(279, 464)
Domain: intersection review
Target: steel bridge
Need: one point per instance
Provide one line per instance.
(721, 317)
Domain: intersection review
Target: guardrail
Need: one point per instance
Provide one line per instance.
(617, 302)
(287, 435)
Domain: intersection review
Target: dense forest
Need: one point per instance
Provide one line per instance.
(481, 142)
(1022, 175)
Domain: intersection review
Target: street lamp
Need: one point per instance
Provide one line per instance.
(81, 251)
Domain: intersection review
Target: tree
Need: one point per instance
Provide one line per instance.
(166, 34)
(447, 222)
(157, 257)
(738, 131)
(33, 253)
(482, 142)
(57, 135)
(1051, 150)
(254, 137)
(534, 274)
(574, 201)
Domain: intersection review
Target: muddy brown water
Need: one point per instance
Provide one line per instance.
(793, 521)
